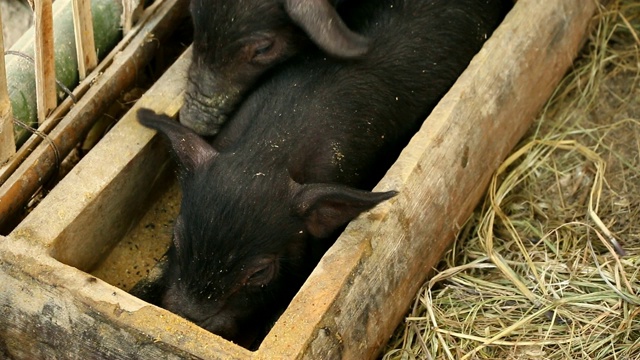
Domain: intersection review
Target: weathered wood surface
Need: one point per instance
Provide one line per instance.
(362, 288)
(45, 66)
(49, 310)
(34, 162)
(100, 198)
(7, 144)
(83, 31)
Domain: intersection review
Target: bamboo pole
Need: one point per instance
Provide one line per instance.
(20, 70)
(83, 30)
(20, 180)
(7, 144)
(44, 55)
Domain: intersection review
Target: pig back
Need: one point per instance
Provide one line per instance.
(261, 206)
(345, 121)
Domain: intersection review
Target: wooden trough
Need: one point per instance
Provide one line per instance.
(51, 308)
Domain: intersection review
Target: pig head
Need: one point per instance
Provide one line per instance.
(236, 41)
(241, 242)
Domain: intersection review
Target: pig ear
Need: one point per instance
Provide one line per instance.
(326, 207)
(190, 149)
(324, 26)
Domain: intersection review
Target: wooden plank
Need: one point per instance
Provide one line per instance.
(44, 58)
(54, 311)
(35, 161)
(364, 285)
(7, 144)
(83, 30)
(105, 190)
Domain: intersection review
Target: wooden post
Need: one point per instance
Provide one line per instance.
(83, 29)
(45, 65)
(7, 144)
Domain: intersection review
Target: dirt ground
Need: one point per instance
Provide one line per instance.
(134, 256)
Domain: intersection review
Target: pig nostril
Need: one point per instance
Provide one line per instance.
(204, 110)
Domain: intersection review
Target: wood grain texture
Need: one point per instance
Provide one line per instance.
(7, 144)
(363, 286)
(74, 314)
(100, 197)
(83, 31)
(49, 310)
(44, 58)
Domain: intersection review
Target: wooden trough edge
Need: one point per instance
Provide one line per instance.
(49, 310)
(107, 184)
(441, 176)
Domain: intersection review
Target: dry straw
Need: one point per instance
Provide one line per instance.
(548, 267)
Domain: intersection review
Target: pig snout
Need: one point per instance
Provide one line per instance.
(213, 316)
(206, 111)
(236, 42)
(203, 120)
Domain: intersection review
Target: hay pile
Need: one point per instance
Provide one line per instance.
(548, 267)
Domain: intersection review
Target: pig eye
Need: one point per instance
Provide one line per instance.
(263, 48)
(262, 274)
(263, 51)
